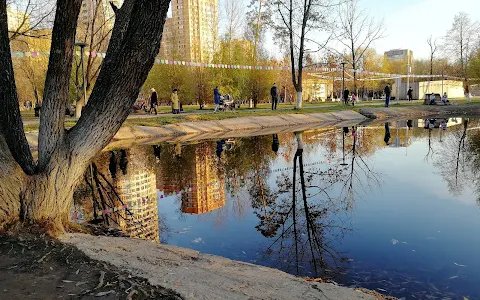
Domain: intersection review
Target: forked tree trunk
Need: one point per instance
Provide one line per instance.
(41, 192)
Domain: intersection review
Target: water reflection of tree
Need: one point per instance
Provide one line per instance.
(304, 226)
(104, 188)
(360, 176)
(452, 158)
(249, 157)
(459, 158)
(303, 217)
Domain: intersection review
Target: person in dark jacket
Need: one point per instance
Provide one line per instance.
(346, 92)
(216, 98)
(123, 161)
(274, 94)
(410, 94)
(388, 93)
(386, 139)
(275, 143)
(153, 101)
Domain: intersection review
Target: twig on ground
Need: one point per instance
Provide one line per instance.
(100, 283)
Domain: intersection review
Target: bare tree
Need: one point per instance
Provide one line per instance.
(460, 41)
(358, 30)
(433, 49)
(299, 22)
(235, 18)
(258, 18)
(29, 16)
(40, 192)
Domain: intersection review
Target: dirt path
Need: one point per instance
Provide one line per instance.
(45, 269)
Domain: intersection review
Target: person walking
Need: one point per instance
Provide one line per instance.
(467, 91)
(274, 94)
(175, 102)
(354, 99)
(346, 92)
(388, 93)
(153, 101)
(216, 98)
(410, 94)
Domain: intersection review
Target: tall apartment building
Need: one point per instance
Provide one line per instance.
(404, 56)
(206, 191)
(137, 189)
(399, 54)
(191, 30)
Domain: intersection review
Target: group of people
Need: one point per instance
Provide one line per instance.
(444, 99)
(176, 105)
(346, 94)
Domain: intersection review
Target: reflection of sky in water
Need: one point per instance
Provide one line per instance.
(438, 234)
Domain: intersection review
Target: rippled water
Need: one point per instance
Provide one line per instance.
(392, 207)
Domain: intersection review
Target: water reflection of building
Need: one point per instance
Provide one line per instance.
(137, 189)
(450, 122)
(200, 180)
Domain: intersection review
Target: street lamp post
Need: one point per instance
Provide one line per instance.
(78, 110)
(343, 148)
(442, 82)
(343, 82)
(408, 78)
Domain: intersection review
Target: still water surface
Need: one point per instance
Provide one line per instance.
(386, 207)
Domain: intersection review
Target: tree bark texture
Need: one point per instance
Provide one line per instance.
(10, 119)
(42, 194)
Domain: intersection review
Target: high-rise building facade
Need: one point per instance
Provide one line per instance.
(202, 185)
(400, 55)
(137, 189)
(191, 30)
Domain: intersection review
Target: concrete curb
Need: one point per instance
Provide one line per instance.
(201, 276)
(227, 128)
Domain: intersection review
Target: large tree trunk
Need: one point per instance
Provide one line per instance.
(299, 100)
(44, 198)
(11, 178)
(42, 193)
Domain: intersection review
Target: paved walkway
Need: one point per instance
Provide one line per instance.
(252, 111)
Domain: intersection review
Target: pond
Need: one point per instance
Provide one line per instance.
(392, 207)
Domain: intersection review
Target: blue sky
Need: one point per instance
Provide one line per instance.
(410, 22)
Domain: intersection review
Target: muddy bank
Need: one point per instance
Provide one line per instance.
(421, 111)
(33, 267)
(200, 276)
